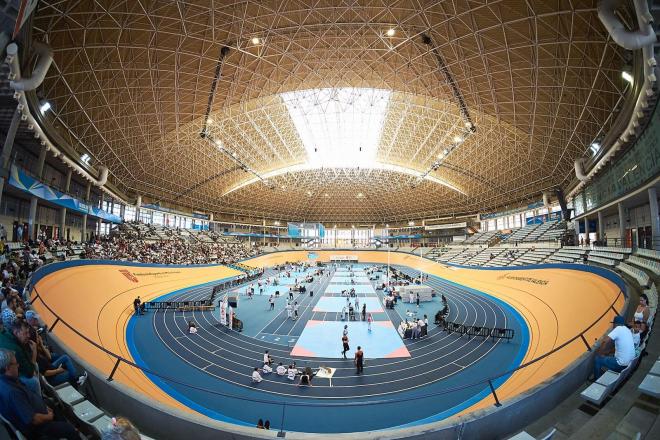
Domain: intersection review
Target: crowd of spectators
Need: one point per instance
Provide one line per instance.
(175, 247)
(28, 362)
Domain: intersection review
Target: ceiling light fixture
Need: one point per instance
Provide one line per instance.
(458, 139)
(256, 41)
(390, 32)
(627, 76)
(44, 107)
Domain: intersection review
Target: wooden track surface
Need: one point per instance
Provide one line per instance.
(556, 304)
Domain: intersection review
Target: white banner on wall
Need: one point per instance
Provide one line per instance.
(447, 226)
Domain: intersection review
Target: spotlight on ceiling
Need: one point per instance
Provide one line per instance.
(627, 76)
(256, 41)
(411, 223)
(45, 106)
(458, 139)
(390, 32)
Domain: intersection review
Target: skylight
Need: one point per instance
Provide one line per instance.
(340, 128)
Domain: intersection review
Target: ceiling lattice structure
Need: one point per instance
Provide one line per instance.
(130, 84)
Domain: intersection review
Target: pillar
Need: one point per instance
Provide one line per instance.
(7, 148)
(83, 238)
(122, 211)
(655, 221)
(138, 203)
(33, 201)
(622, 224)
(601, 227)
(67, 188)
(586, 228)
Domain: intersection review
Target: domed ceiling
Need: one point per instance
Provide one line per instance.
(334, 110)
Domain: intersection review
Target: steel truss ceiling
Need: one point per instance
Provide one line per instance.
(131, 79)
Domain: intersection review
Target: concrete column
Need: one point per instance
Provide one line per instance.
(586, 228)
(655, 221)
(622, 225)
(88, 193)
(41, 162)
(83, 237)
(601, 225)
(32, 216)
(7, 148)
(67, 188)
(122, 211)
(576, 222)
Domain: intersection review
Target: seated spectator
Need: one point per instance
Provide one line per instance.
(267, 424)
(291, 372)
(16, 338)
(192, 327)
(260, 424)
(256, 377)
(120, 429)
(267, 359)
(624, 349)
(281, 370)
(305, 380)
(642, 312)
(26, 410)
(267, 369)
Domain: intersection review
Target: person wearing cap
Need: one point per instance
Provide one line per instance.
(624, 349)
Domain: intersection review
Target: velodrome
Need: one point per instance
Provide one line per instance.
(548, 314)
(339, 219)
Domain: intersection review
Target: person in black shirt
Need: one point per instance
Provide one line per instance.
(136, 306)
(359, 360)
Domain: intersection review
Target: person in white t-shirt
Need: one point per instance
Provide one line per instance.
(624, 349)
(256, 377)
(281, 370)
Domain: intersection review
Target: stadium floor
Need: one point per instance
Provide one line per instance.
(539, 303)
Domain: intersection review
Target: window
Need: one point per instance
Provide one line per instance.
(339, 127)
(129, 213)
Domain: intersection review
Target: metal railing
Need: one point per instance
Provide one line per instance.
(284, 404)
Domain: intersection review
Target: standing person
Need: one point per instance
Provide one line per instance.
(290, 294)
(271, 301)
(370, 319)
(136, 306)
(344, 343)
(289, 311)
(344, 314)
(295, 310)
(359, 360)
(364, 312)
(418, 300)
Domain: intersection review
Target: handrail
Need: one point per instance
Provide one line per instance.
(485, 382)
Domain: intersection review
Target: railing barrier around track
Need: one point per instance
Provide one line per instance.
(172, 380)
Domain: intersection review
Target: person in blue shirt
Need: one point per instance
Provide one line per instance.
(26, 410)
